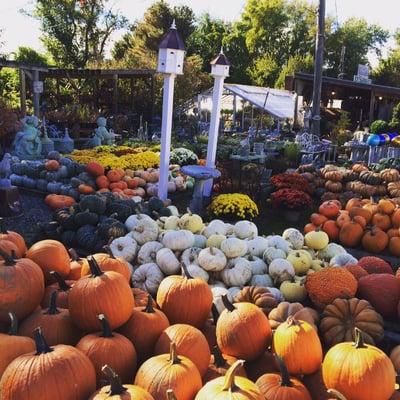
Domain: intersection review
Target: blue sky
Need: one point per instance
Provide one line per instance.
(20, 30)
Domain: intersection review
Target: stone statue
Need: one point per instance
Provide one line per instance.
(101, 134)
(27, 143)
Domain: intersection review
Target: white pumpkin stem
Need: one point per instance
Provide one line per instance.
(337, 394)
(13, 324)
(189, 211)
(212, 251)
(358, 339)
(139, 229)
(229, 382)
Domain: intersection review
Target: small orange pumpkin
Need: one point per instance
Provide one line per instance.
(395, 217)
(310, 228)
(132, 183)
(115, 175)
(394, 246)
(386, 206)
(331, 229)
(329, 209)
(362, 212)
(52, 165)
(375, 240)
(118, 185)
(350, 234)
(56, 201)
(318, 219)
(94, 168)
(381, 221)
(102, 182)
(85, 189)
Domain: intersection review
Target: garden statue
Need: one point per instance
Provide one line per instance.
(27, 143)
(5, 170)
(101, 135)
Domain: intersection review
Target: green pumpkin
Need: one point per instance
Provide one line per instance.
(69, 238)
(66, 218)
(54, 187)
(86, 218)
(121, 210)
(29, 183)
(93, 203)
(111, 228)
(155, 204)
(370, 178)
(165, 212)
(41, 184)
(54, 155)
(86, 237)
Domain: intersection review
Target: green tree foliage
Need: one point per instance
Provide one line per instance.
(295, 64)
(30, 56)
(394, 123)
(75, 32)
(360, 38)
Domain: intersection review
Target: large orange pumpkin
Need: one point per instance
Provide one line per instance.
(386, 206)
(362, 212)
(298, 344)
(350, 234)
(329, 209)
(332, 230)
(185, 299)
(243, 330)
(375, 240)
(10, 248)
(14, 237)
(61, 286)
(381, 221)
(50, 255)
(359, 371)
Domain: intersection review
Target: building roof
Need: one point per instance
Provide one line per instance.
(172, 40)
(221, 59)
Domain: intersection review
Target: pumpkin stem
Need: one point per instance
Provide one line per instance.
(14, 255)
(186, 273)
(2, 227)
(9, 260)
(171, 395)
(292, 321)
(229, 382)
(116, 387)
(60, 280)
(139, 229)
(41, 345)
(228, 305)
(13, 324)
(149, 306)
(358, 339)
(337, 394)
(212, 251)
(108, 250)
(219, 360)
(106, 329)
(215, 313)
(52, 310)
(173, 356)
(94, 267)
(285, 377)
(73, 254)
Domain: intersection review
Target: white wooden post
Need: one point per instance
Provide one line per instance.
(166, 128)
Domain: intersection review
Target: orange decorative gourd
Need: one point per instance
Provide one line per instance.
(50, 255)
(48, 373)
(169, 371)
(185, 299)
(375, 240)
(350, 234)
(14, 237)
(144, 327)
(56, 201)
(85, 189)
(94, 168)
(329, 209)
(107, 347)
(101, 292)
(52, 165)
(310, 228)
(359, 371)
(298, 344)
(102, 182)
(282, 386)
(12, 346)
(342, 218)
(189, 341)
(381, 221)
(318, 219)
(243, 331)
(21, 286)
(332, 230)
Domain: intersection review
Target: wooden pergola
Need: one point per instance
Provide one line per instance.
(37, 76)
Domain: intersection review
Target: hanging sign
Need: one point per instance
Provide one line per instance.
(38, 87)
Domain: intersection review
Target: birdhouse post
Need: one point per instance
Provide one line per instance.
(170, 63)
(219, 70)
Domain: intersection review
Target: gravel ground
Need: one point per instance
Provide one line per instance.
(34, 212)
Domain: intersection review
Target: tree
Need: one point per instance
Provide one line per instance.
(360, 38)
(295, 64)
(75, 32)
(30, 56)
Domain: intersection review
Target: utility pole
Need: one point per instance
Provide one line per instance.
(318, 63)
(341, 65)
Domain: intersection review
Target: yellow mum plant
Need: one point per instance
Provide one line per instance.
(233, 204)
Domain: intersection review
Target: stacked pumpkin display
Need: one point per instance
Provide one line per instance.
(374, 226)
(94, 329)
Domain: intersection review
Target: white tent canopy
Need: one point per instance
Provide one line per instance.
(278, 103)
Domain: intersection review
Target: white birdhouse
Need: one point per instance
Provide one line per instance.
(171, 53)
(220, 65)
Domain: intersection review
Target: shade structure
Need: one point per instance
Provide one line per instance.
(280, 103)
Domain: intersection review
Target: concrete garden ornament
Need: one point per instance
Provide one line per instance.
(27, 143)
(102, 136)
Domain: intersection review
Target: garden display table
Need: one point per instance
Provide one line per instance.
(200, 175)
(243, 160)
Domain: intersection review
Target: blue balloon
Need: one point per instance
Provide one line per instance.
(374, 140)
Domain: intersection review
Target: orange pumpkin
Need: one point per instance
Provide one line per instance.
(118, 185)
(103, 190)
(332, 230)
(9, 247)
(94, 168)
(318, 219)
(362, 212)
(115, 175)
(386, 206)
(56, 201)
(375, 240)
(360, 220)
(85, 189)
(350, 234)
(371, 207)
(381, 221)
(14, 237)
(354, 202)
(52, 165)
(329, 209)
(394, 246)
(395, 218)
(393, 232)
(102, 182)
(342, 218)
(140, 181)
(310, 228)
(132, 183)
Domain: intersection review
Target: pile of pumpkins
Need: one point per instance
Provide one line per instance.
(372, 225)
(62, 176)
(339, 183)
(78, 330)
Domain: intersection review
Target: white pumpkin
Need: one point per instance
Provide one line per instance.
(245, 230)
(146, 230)
(215, 241)
(258, 266)
(124, 247)
(343, 259)
(261, 280)
(174, 210)
(197, 272)
(190, 256)
(330, 251)
(234, 247)
(295, 237)
(257, 246)
(148, 277)
(279, 243)
(272, 253)
(316, 265)
(316, 240)
(191, 222)
(218, 292)
(133, 220)
(200, 241)
(293, 291)
(170, 223)
(277, 294)
(301, 261)
(237, 272)
(178, 240)
(148, 252)
(167, 261)
(215, 227)
(212, 259)
(230, 229)
(281, 270)
(234, 291)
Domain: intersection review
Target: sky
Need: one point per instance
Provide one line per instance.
(21, 30)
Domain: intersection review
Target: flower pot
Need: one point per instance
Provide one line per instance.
(291, 215)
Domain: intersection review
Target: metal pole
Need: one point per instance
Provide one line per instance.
(36, 95)
(166, 127)
(319, 59)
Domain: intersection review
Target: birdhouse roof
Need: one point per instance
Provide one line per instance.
(172, 40)
(221, 59)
